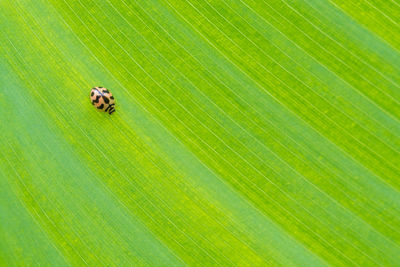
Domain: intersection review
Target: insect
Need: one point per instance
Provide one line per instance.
(102, 99)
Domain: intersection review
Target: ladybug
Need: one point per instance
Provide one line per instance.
(102, 99)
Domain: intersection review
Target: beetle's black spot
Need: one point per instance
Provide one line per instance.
(105, 91)
(106, 100)
(92, 93)
(97, 99)
(111, 97)
(101, 106)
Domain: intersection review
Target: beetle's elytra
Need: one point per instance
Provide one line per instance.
(102, 99)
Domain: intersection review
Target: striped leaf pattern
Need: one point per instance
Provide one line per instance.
(246, 133)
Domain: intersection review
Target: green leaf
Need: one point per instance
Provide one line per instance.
(246, 133)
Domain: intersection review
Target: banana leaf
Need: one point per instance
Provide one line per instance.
(246, 133)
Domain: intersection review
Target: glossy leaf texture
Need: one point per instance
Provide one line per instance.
(246, 133)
